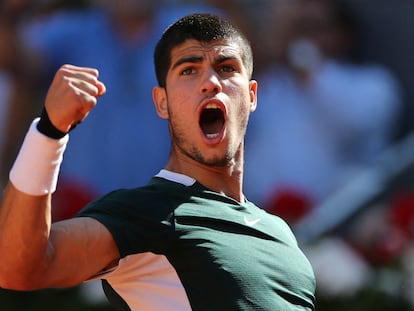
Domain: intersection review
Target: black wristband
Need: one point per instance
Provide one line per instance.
(46, 127)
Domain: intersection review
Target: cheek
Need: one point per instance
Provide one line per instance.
(179, 113)
(180, 94)
(240, 87)
(245, 109)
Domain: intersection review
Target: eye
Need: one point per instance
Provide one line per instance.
(187, 71)
(227, 68)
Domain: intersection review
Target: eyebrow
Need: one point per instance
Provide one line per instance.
(199, 59)
(190, 59)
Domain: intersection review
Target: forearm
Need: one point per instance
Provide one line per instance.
(24, 231)
(25, 217)
(33, 253)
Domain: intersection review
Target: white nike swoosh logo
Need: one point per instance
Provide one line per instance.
(251, 223)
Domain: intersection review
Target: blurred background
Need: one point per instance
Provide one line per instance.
(330, 148)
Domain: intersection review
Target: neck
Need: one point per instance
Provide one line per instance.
(227, 180)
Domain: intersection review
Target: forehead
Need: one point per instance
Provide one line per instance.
(213, 49)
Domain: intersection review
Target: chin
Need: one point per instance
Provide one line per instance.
(219, 161)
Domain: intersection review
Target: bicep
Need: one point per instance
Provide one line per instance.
(79, 249)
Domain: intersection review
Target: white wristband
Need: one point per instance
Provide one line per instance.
(37, 165)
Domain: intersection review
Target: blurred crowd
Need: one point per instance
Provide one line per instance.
(329, 105)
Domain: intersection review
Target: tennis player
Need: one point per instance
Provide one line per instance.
(189, 239)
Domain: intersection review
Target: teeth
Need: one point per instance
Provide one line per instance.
(212, 135)
(212, 106)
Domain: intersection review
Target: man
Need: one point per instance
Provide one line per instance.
(189, 239)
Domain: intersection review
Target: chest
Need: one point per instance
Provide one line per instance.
(240, 264)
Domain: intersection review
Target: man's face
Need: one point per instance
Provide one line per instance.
(208, 98)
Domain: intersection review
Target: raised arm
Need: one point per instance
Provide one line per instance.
(33, 252)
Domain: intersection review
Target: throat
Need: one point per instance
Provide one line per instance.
(212, 122)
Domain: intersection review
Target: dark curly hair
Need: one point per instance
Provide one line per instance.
(203, 28)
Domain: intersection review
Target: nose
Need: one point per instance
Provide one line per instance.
(211, 83)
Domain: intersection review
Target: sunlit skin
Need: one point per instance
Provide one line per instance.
(36, 253)
(203, 73)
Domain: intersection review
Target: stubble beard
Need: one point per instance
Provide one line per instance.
(197, 155)
(194, 153)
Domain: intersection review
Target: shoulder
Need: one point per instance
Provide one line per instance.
(145, 202)
(139, 219)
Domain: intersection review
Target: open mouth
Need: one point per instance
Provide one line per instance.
(212, 120)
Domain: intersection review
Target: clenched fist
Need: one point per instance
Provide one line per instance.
(73, 93)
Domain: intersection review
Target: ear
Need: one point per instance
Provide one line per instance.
(159, 96)
(253, 95)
